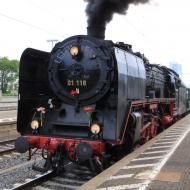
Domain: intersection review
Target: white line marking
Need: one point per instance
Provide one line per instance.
(138, 166)
(174, 136)
(147, 158)
(169, 140)
(174, 132)
(144, 175)
(170, 137)
(121, 176)
(177, 130)
(160, 143)
(123, 187)
(157, 147)
(158, 167)
(155, 152)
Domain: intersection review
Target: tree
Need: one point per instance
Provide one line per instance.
(8, 74)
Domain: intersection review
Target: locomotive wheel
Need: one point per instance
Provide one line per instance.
(130, 139)
(46, 166)
(58, 158)
(96, 166)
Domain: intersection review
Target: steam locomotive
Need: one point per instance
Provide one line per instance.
(91, 98)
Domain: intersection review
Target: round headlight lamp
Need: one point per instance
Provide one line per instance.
(35, 124)
(74, 51)
(95, 128)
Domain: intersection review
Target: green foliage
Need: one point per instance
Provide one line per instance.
(9, 75)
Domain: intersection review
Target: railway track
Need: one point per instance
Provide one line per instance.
(8, 130)
(7, 146)
(31, 182)
(73, 177)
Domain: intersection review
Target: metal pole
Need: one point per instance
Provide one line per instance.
(52, 42)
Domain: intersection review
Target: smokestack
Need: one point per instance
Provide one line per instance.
(96, 31)
(100, 12)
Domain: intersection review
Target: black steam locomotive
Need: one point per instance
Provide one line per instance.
(91, 98)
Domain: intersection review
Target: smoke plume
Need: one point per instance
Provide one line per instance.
(100, 12)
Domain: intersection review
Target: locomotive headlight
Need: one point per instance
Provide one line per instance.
(74, 51)
(95, 128)
(35, 124)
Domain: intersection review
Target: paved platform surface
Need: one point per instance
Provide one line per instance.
(8, 103)
(8, 106)
(8, 114)
(161, 164)
(8, 99)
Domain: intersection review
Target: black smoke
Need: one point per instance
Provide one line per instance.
(100, 12)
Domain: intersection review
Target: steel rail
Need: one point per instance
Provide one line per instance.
(4, 143)
(30, 182)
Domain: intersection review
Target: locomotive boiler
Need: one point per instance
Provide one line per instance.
(91, 98)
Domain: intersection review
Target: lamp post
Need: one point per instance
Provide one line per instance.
(53, 42)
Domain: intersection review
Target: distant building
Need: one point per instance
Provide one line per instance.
(176, 67)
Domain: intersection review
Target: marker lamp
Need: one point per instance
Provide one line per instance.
(74, 51)
(95, 128)
(35, 124)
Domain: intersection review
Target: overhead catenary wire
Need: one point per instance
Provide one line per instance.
(46, 10)
(28, 24)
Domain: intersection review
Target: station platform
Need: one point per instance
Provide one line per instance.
(161, 164)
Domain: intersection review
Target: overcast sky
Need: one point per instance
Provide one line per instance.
(159, 29)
